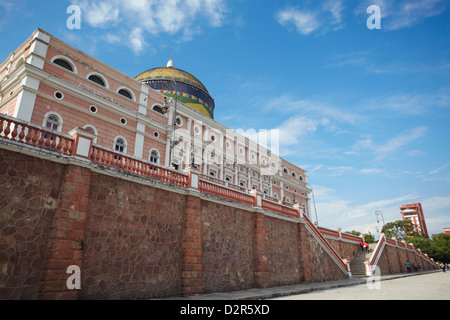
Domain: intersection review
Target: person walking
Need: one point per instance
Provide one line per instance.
(408, 269)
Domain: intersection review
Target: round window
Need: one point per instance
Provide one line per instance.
(59, 95)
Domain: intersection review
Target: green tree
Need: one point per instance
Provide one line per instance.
(399, 229)
(368, 237)
(353, 232)
(437, 248)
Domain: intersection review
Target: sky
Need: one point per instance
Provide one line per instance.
(364, 110)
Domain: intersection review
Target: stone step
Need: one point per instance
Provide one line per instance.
(358, 268)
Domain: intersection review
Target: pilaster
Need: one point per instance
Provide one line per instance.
(67, 239)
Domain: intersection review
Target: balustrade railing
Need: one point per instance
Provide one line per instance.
(226, 193)
(131, 165)
(35, 136)
(279, 208)
(330, 249)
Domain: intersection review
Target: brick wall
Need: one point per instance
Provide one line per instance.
(345, 249)
(393, 259)
(134, 239)
(227, 247)
(30, 189)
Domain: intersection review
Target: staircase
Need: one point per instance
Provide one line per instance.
(357, 267)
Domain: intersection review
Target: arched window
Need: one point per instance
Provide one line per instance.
(125, 93)
(91, 129)
(52, 122)
(64, 64)
(158, 109)
(97, 80)
(19, 63)
(154, 156)
(120, 145)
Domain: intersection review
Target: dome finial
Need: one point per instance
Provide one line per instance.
(170, 62)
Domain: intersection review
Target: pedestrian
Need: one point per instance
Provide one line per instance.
(419, 266)
(444, 267)
(361, 244)
(408, 269)
(366, 247)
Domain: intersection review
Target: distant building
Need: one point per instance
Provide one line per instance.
(447, 230)
(414, 212)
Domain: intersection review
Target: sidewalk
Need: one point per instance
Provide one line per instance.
(268, 293)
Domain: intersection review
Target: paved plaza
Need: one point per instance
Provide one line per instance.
(429, 286)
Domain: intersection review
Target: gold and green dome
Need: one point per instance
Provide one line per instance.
(187, 88)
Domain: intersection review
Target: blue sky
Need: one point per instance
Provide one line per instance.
(365, 112)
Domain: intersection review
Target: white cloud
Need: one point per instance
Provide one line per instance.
(439, 169)
(411, 103)
(9, 6)
(436, 203)
(100, 14)
(112, 38)
(304, 22)
(142, 18)
(333, 211)
(399, 14)
(307, 21)
(314, 108)
(335, 7)
(137, 40)
(383, 150)
(399, 141)
(294, 128)
(371, 171)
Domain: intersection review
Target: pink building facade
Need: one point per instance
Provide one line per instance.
(49, 83)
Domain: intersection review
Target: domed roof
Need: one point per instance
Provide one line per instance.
(172, 81)
(170, 73)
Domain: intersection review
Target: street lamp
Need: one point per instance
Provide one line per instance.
(174, 126)
(379, 213)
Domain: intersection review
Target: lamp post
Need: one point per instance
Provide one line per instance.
(172, 163)
(379, 213)
(165, 110)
